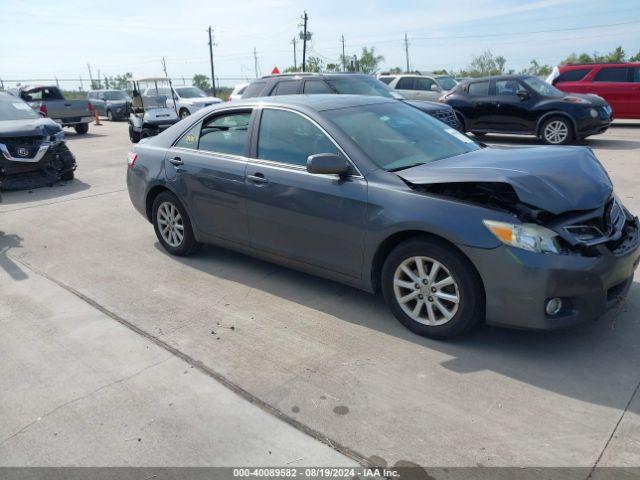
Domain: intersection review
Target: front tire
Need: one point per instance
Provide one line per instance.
(557, 131)
(81, 128)
(173, 226)
(432, 289)
(110, 116)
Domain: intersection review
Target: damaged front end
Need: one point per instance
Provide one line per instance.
(32, 161)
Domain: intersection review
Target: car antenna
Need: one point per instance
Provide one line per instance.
(173, 97)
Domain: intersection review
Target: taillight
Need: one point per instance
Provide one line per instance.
(43, 109)
(131, 159)
(90, 107)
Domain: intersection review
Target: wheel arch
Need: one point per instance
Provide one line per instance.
(392, 241)
(556, 113)
(151, 197)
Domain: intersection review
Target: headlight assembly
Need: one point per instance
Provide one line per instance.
(526, 236)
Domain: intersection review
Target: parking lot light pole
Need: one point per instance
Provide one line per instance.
(213, 77)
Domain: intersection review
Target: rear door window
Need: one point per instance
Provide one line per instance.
(425, 84)
(612, 74)
(386, 80)
(573, 75)
(508, 87)
(316, 87)
(636, 74)
(406, 83)
(289, 87)
(479, 89)
(224, 134)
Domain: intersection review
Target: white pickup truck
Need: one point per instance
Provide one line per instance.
(49, 101)
(188, 100)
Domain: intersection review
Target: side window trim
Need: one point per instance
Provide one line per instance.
(255, 137)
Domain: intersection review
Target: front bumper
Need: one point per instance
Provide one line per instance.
(48, 169)
(587, 126)
(519, 283)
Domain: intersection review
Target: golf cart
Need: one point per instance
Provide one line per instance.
(149, 114)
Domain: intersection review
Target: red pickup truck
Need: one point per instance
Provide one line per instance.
(617, 83)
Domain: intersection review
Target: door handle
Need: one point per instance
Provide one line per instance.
(177, 161)
(257, 178)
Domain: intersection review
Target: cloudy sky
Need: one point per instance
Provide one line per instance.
(55, 38)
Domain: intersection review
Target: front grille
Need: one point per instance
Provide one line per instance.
(22, 147)
(447, 116)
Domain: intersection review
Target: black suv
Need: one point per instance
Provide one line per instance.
(340, 83)
(522, 104)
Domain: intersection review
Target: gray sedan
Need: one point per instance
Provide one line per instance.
(371, 192)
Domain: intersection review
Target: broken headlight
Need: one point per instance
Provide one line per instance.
(526, 236)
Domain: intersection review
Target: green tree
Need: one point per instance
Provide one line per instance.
(201, 81)
(484, 65)
(617, 55)
(369, 61)
(635, 58)
(314, 64)
(120, 82)
(535, 68)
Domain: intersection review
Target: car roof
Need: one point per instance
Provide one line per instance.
(496, 77)
(315, 75)
(574, 66)
(318, 103)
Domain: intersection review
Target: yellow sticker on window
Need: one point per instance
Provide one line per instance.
(191, 138)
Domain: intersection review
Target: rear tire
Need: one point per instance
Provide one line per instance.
(81, 128)
(557, 131)
(462, 127)
(173, 226)
(448, 301)
(110, 116)
(67, 177)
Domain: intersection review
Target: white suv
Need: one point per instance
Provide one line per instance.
(188, 99)
(420, 87)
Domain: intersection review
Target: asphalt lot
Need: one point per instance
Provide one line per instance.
(100, 330)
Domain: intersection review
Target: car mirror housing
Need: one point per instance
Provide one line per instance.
(328, 164)
(523, 94)
(435, 88)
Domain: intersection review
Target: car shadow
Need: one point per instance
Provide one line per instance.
(44, 193)
(574, 362)
(73, 136)
(11, 242)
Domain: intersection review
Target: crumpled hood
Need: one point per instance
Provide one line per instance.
(555, 179)
(29, 127)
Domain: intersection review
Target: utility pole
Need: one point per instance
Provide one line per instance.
(305, 17)
(90, 77)
(295, 55)
(344, 59)
(213, 77)
(255, 62)
(99, 81)
(406, 50)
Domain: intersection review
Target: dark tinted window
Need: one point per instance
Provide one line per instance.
(361, 85)
(573, 75)
(289, 87)
(507, 87)
(479, 88)
(612, 74)
(406, 83)
(290, 138)
(225, 134)
(254, 89)
(425, 84)
(316, 86)
(636, 74)
(44, 93)
(386, 80)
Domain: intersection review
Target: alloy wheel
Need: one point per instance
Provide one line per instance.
(171, 224)
(426, 291)
(556, 132)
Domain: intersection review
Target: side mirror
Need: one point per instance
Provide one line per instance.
(328, 164)
(435, 88)
(523, 94)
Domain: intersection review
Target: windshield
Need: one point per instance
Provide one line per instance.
(190, 92)
(396, 136)
(15, 109)
(115, 96)
(360, 86)
(447, 83)
(543, 88)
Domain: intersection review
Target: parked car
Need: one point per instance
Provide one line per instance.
(340, 83)
(237, 92)
(113, 104)
(617, 83)
(521, 104)
(32, 148)
(50, 101)
(420, 87)
(188, 100)
(371, 192)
